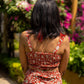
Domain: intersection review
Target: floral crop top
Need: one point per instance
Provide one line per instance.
(42, 60)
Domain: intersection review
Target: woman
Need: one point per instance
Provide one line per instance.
(44, 50)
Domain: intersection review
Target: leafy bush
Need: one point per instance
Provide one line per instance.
(14, 67)
(64, 82)
(76, 62)
(19, 13)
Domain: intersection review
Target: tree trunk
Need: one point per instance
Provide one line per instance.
(74, 11)
(4, 38)
(0, 34)
(8, 37)
(10, 41)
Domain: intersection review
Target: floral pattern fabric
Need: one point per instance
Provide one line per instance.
(41, 62)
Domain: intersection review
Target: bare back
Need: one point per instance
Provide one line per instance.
(48, 45)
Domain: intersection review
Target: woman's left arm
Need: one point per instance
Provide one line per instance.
(65, 56)
(23, 58)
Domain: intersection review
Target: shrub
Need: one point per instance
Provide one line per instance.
(76, 62)
(13, 66)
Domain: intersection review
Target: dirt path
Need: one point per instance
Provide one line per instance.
(73, 78)
(4, 79)
(16, 53)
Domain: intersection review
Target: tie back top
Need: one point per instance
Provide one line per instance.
(44, 60)
(41, 61)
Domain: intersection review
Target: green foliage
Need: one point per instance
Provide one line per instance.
(15, 8)
(64, 82)
(16, 44)
(76, 62)
(16, 15)
(13, 66)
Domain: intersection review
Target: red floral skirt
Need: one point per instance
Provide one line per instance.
(42, 77)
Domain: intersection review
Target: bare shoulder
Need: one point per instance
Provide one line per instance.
(66, 40)
(23, 34)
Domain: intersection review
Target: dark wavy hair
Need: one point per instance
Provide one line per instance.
(45, 19)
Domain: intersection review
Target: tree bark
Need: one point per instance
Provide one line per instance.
(4, 38)
(74, 11)
(0, 34)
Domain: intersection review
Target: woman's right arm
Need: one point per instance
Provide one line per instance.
(65, 56)
(23, 57)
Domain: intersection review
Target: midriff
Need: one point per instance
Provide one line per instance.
(47, 69)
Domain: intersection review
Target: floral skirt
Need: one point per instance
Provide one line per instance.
(42, 77)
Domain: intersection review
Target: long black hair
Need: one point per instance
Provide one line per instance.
(45, 19)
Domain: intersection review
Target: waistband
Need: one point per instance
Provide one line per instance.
(50, 69)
